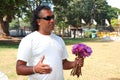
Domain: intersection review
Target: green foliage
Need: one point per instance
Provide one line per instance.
(60, 9)
(75, 13)
(61, 3)
(8, 44)
(112, 12)
(88, 34)
(14, 24)
(114, 22)
(11, 7)
(24, 23)
(71, 41)
(88, 9)
(62, 25)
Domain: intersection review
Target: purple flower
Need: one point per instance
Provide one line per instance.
(81, 50)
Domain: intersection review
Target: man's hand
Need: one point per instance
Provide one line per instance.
(79, 61)
(42, 68)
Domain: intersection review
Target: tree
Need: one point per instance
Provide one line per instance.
(61, 10)
(114, 22)
(8, 10)
(68, 11)
(88, 10)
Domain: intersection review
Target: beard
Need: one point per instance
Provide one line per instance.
(51, 26)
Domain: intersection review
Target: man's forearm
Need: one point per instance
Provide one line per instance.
(68, 64)
(24, 70)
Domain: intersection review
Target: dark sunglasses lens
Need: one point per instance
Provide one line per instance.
(49, 17)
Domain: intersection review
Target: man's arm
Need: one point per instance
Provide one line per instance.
(23, 69)
(68, 64)
(71, 64)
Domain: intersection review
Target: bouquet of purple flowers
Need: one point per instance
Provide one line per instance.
(81, 51)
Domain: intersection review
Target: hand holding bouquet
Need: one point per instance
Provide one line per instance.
(81, 51)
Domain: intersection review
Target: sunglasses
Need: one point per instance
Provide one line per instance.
(48, 18)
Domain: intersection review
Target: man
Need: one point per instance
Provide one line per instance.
(42, 55)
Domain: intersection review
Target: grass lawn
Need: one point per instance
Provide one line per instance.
(70, 41)
(8, 52)
(103, 64)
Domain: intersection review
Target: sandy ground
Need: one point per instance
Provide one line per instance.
(103, 64)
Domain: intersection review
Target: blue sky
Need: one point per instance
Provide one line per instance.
(114, 3)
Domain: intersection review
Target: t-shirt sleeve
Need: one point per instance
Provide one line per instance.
(64, 53)
(24, 50)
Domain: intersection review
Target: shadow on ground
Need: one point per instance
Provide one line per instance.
(114, 79)
(9, 43)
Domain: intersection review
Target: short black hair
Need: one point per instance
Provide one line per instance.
(36, 12)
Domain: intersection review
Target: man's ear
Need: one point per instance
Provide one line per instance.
(38, 21)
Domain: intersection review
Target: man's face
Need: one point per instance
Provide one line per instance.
(46, 23)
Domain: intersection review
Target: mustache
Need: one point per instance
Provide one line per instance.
(52, 24)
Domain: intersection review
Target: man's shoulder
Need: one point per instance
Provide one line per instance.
(56, 36)
(31, 35)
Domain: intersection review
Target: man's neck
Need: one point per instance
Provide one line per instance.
(44, 33)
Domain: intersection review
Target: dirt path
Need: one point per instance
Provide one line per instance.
(10, 40)
(103, 64)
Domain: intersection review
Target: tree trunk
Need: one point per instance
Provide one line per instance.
(5, 27)
(63, 32)
(1, 30)
(74, 33)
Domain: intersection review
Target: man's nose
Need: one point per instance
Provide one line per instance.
(52, 20)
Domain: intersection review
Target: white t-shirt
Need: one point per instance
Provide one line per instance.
(35, 45)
